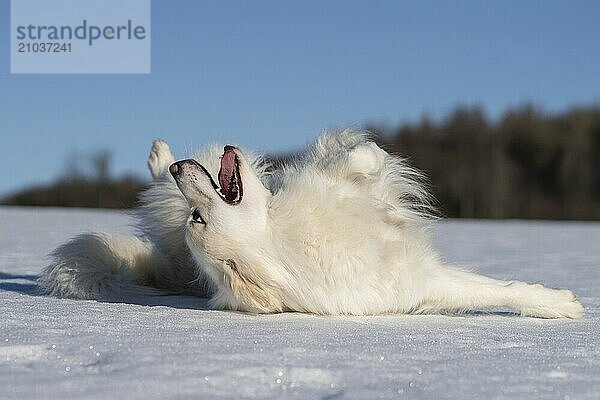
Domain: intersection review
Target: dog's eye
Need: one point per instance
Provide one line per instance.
(196, 217)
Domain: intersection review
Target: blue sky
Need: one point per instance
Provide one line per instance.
(273, 74)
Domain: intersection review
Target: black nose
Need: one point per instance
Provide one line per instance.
(175, 169)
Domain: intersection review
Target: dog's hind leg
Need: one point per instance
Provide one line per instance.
(454, 290)
(160, 158)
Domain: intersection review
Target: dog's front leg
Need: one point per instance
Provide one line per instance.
(159, 159)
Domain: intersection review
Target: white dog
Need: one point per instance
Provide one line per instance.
(340, 230)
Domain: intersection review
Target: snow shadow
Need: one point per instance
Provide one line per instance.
(20, 283)
(173, 301)
(27, 284)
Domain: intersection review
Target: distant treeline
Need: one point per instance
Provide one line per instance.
(117, 193)
(526, 164)
(88, 184)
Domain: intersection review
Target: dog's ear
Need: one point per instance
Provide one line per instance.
(253, 288)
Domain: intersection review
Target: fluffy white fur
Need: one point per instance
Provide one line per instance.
(339, 230)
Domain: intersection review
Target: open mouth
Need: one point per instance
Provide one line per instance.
(230, 182)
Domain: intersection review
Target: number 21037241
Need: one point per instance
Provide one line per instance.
(45, 47)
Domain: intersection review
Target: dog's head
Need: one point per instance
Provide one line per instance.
(228, 220)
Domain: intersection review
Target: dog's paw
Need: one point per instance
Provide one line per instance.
(160, 158)
(554, 303)
(366, 159)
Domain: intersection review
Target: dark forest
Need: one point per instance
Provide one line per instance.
(526, 164)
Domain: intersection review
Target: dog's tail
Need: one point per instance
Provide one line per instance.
(103, 267)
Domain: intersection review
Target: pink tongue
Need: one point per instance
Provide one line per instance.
(227, 170)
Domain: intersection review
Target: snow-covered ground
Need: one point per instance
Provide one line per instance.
(174, 347)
